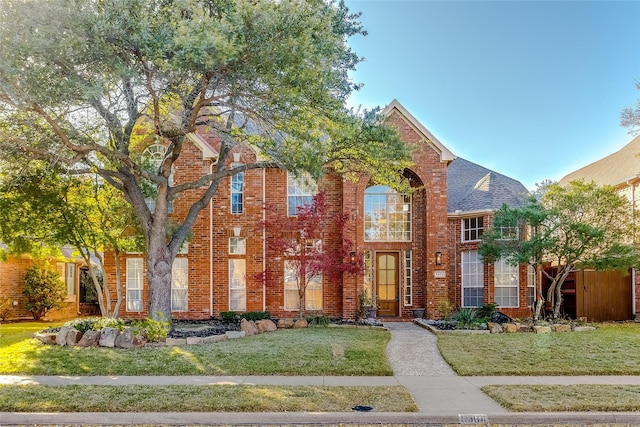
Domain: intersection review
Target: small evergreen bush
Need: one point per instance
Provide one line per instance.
(255, 315)
(44, 291)
(229, 316)
(6, 308)
(153, 330)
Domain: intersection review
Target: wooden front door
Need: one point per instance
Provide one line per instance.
(387, 283)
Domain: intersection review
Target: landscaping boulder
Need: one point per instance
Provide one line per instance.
(523, 328)
(561, 328)
(249, 327)
(214, 338)
(494, 328)
(285, 323)
(89, 339)
(73, 336)
(61, 339)
(541, 329)
(266, 325)
(300, 324)
(235, 334)
(510, 328)
(48, 338)
(108, 337)
(128, 340)
(176, 341)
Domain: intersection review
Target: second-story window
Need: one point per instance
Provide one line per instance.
(472, 229)
(300, 191)
(237, 193)
(152, 158)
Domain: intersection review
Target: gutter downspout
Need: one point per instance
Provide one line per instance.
(264, 239)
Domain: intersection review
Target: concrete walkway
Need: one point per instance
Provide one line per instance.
(442, 396)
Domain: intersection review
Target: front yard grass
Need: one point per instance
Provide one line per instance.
(561, 398)
(609, 350)
(311, 351)
(218, 398)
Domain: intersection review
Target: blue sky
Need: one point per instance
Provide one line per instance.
(530, 89)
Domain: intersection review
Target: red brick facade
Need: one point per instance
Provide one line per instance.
(432, 231)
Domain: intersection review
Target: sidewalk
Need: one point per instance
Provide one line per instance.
(442, 396)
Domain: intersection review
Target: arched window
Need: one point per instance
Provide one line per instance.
(387, 215)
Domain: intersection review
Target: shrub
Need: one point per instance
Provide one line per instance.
(95, 323)
(445, 308)
(319, 320)
(153, 330)
(466, 317)
(255, 315)
(229, 316)
(485, 312)
(44, 290)
(6, 308)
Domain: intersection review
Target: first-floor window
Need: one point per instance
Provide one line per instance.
(472, 279)
(134, 284)
(291, 295)
(368, 274)
(67, 273)
(180, 284)
(237, 285)
(505, 279)
(313, 293)
(407, 279)
(531, 285)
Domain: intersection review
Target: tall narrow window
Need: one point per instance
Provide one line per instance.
(387, 215)
(180, 284)
(531, 285)
(237, 285)
(291, 298)
(313, 293)
(472, 279)
(134, 284)
(408, 286)
(505, 279)
(300, 191)
(472, 229)
(237, 193)
(368, 274)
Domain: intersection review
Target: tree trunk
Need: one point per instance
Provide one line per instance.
(554, 293)
(159, 262)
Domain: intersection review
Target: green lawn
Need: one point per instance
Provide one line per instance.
(218, 398)
(610, 350)
(312, 351)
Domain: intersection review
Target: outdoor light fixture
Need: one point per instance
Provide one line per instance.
(352, 257)
(438, 258)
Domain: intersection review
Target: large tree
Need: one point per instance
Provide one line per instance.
(84, 82)
(580, 225)
(41, 210)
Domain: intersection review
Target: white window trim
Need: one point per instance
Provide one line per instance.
(475, 285)
(408, 279)
(305, 183)
(232, 192)
(479, 220)
(387, 214)
(137, 280)
(240, 289)
(237, 248)
(500, 265)
(175, 282)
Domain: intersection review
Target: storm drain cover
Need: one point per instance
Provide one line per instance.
(362, 408)
(473, 419)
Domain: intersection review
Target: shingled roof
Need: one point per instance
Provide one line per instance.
(472, 187)
(614, 169)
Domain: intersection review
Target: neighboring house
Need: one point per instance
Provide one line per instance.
(419, 250)
(609, 295)
(80, 298)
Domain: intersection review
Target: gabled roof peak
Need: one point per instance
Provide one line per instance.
(445, 154)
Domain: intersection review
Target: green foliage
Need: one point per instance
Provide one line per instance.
(84, 324)
(153, 330)
(255, 315)
(318, 320)
(466, 318)
(6, 308)
(445, 308)
(485, 312)
(122, 74)
(44, 291)
(364, 302)
(229, 316)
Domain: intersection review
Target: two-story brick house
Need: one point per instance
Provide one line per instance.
(418, 250)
